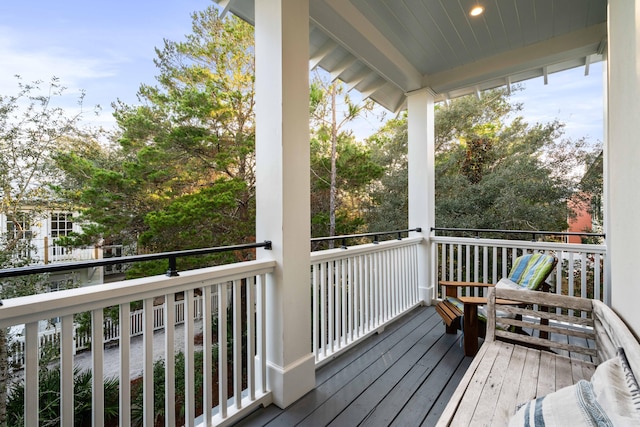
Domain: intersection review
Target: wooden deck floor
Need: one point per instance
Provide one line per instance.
(401, 377)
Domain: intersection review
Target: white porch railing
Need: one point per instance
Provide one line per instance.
(47, 251)
(357, 291)
(581, 269)
(236, 396)
(82, 339)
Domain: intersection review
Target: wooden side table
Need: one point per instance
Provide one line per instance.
(470, 321)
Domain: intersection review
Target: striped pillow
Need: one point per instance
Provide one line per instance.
(574, 406)
(531, 269)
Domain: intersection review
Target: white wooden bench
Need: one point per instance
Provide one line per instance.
(507, 371)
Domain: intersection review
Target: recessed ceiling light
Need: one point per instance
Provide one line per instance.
(477, 10)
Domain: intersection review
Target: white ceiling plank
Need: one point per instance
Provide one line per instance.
(563, 48)
(602, 46)
(364, 27)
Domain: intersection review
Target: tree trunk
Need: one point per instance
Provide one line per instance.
(334, 143)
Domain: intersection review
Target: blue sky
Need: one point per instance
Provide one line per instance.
(107, 49)
(103, 47)
(569, 96)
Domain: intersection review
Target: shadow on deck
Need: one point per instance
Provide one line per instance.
(401, 377)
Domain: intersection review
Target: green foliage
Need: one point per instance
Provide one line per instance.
(49, 399)
(180, 175)
(191, 220)
(147, 268)
(341, 169)
(590, 198)
(159, 378)
(388, 206)
(355, 170)
(32, 128)
(492, 171)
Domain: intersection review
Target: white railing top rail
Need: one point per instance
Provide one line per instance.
(33, 308)
(521, 244)
(339, 253)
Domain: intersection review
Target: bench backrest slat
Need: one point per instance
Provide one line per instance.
(581, 321)
(553, 322)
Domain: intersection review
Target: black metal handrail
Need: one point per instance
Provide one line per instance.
(477, 231)
(171, 256)
(376, 236)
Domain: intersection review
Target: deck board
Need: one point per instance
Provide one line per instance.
(479, 404)
(433, 389)
(406, 375)
(509, 390)
(414, 367)
(350, 373)
(493, 387)
(433, 415)
(400, 356)
(407, 371)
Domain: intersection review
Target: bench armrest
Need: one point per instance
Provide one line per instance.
(465, 284)
(450, 286)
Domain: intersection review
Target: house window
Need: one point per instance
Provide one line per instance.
(61, 224)
(19, 227)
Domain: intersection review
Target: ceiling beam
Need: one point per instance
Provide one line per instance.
(373, 87)
(553, 51)
(358, 78)
(400, 105)
(344, 23)
(226, 4)
(321, 53)
(587, 63)
(342, 66)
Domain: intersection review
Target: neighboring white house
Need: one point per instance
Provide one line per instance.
(42, 233)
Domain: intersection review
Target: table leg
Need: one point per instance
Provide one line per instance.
(470, 330)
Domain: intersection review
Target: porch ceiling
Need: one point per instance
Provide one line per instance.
(386, 48)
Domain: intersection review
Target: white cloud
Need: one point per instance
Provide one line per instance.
(41, 64)
(570, 97)
(96, 76)
(103, 48)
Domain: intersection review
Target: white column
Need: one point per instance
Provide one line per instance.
(623, 156)
(605, 174)
(282, 191)
(421, 152)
